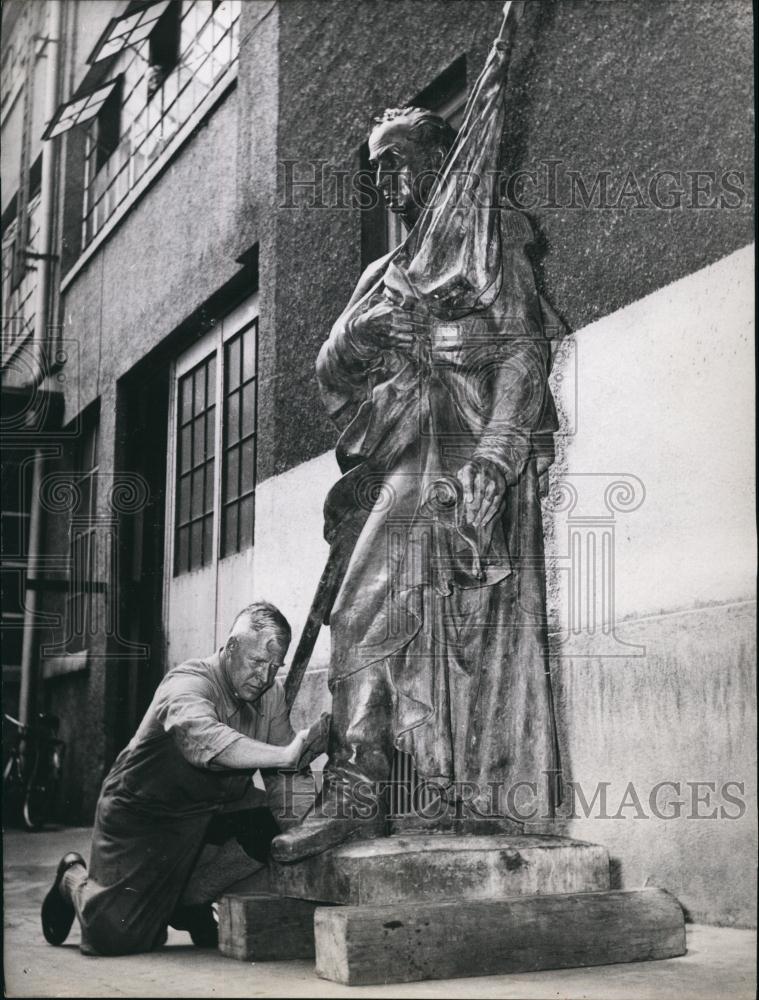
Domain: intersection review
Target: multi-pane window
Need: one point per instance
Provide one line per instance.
(165, 76)
(239, 465)
(16, 486)
(19, 297)
(196, 454)
(80, 612)
(215, 457)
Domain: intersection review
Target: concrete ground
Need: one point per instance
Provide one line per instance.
(720, 961)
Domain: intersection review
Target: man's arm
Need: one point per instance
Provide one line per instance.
(289, 795)
(187, 712)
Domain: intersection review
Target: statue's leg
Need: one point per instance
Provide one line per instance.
(352, 801)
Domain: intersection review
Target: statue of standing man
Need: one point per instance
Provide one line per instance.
(446, 422)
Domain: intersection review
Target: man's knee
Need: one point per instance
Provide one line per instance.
(107, 932)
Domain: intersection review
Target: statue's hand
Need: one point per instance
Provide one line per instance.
(384, 326)
(484, 488)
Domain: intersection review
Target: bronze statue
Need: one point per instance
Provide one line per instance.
(436, 376)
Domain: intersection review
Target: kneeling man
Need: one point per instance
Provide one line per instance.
(178, 820)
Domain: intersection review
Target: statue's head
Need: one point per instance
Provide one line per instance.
(407, 147)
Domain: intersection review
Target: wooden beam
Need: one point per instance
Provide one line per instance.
(406, 942)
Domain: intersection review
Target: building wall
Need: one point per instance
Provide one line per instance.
(617, 87)
(653, 381)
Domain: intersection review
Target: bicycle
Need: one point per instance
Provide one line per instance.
(32, 774)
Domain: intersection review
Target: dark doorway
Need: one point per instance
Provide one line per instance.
(141, 442)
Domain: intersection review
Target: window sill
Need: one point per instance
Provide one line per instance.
(185, 133)
(69, 663)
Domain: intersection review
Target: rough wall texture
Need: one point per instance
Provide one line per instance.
(618, 87)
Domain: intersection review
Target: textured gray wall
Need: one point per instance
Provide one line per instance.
(635, 86)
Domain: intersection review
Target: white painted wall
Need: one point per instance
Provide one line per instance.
(663, 391)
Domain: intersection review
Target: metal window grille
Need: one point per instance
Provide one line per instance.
(80, 611)
(19, 303)
(153, 109)
(193, 543)
(16, 485)
(239, 459)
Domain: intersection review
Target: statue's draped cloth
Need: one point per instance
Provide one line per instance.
(458, 616)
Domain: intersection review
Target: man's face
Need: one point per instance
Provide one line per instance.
(252, 659)
(404, 169)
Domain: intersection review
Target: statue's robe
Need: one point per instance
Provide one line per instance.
(459, 617)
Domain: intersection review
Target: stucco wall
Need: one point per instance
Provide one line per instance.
(634, 86)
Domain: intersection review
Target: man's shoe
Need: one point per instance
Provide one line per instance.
(58, 912)
(200, 922)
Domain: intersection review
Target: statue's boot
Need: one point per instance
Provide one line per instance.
(352, 801)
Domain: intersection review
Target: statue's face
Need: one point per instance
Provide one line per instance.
(404, 168)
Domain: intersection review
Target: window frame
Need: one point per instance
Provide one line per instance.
(238, 321)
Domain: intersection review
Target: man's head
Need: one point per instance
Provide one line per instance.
(407, 147)
(255, 650)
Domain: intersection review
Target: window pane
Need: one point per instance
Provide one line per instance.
(210, 432)
(233, 418)
(185, 449)
(199, 441)
(247, 474)
(208, 506)
(231, 491)
(230, 529)
(232, 351)
(246, 523)
(196, 544)
(200, 390)
(183, 506)
(196, 508)
(211, 379)
(249, 353)
(249, 409)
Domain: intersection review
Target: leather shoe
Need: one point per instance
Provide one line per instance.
(58, 912)
(200, 922)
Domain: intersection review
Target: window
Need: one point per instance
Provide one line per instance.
(163, 47)
(239, 441)
(167, 66)
(195, 467)
(106, 128)
(16, 483)
(80, 612)
(215, 418)
(19, 296)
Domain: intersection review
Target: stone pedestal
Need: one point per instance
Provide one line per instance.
(424, 906)
(422, 867)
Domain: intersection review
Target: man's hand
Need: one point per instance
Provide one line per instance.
(309, 743)
(484, 488)
(385, 326)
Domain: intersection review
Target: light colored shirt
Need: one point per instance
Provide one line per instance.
(168, 766)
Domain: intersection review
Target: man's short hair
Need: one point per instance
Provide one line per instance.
(260, 615)
(425, 126)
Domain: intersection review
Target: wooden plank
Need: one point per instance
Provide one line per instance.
(403, 868)
(363, 945)
(265, 928)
